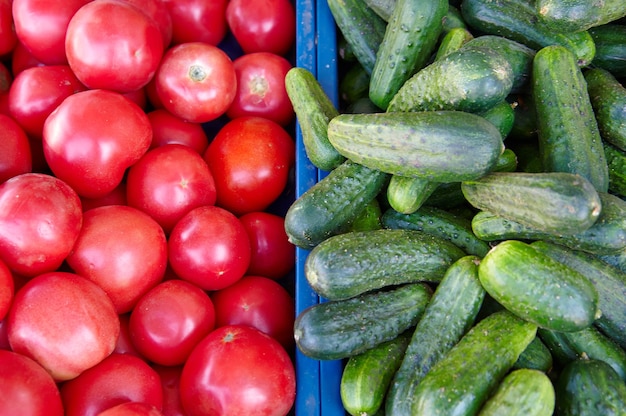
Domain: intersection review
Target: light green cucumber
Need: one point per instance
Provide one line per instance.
(406, 194)
(452, 41)
(578, 15)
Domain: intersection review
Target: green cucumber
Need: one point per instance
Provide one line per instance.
(502, 116)
(536, 356)
(538, 288)
(406, 194)
(553, 202)
(383, 8)
(523, 392)
(616, 160)
(367, 376)
(578, 15)
(314, 110)
(347, 265)
(524, 128)
(453, 18)
(330, 204)
(610, 41)
(411, 36)
(354, 84)
(569, 138)
(441, 146)
(368, 219)
(452, 41)
(449, 315)
(608, 99)
(461, 381)
(340, 329)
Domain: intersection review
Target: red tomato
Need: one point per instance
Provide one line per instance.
(251, 159)
(169, 320)
(40, 219)
(6, 78)
(209, 247)
(111, 44)
(116, 197)
(7, 290)
(64, 322)
(27, 388)
(139, 97)
(198, 20)
(8, 37)
(123, 250)
(15, 151)
(238, 370)
(273, 255)
(4, 337)
(261, 88)
(168, 182)
(170, 129)
(132, 409)
(170, 380)
(92, 138)
(262, 25)
(124, 344)
(196, 81)
(119, 378)
(158, 12)
(21, 58)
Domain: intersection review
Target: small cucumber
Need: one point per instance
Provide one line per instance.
(347, 265)
(452, 41)
(522, 392)
(368, 219)
(578, 15)
(538, 288)
(354, 84)
(610, 41)
(461, 381)
(616, 160)
(406, 194)
(502, 115)
(536, 356)
(340, 329)
(608, 99)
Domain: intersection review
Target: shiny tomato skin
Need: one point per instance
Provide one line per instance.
(261, 88)
(7, 289)
(116, 197)
(238, 370)
(197, 20)
(170, 380)
(8, 37)
(27, 388)
(170, 129)
(209, 247)
(158, 12)
(251, 160)
(15, 150)
(92, 153)
(111, 44)
(64, 322)
(132, 409)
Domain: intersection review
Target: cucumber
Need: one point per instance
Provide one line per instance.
(314, 110)
(616, 161)
(523, 392)
(339, 329)
(516, 20)
(406, 194)
(331, 203)
(610, 41)
(452, 41)
(461, 381)
(411, 36)
(469, 79)
(536, 356)
(524, 129)
(502, 116)
(608, 99)
(368, 219)
(538, 288)
(569, 138)
(347, 265)
(448, 316)
(383, 8)
(554, 202)
(453, 18)
(367, 376)
(354, 84)
(440, 146)
(578, 15)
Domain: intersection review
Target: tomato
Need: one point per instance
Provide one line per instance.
(158, 12)
(15, 149)
(273, 255)
(124, 344)
(6, 78)
(168, 182)
(209, 247)
(111, 44)
(238, 370)
(116, 197)
(27, 389)
(251, 160)
(261, 88)
(169, 129)
(91, 139)
(132, 409)
(170, 380)
(8, 37)
(4, 337)
(197, 20)
(169, 320)
(117, 379)
(64, 322)
(262, 25)
(21, 58)
(7, 289)
(123, 250)
(40, 219)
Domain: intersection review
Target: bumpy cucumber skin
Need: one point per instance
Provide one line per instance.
(340, 329)
(350, 264)
(608, 99)
(441, 146)
(522, 392)
(536, 356)
(616, 160)
(538, 288)
(332, 203)
(578, 15)
(449, 315)
(610, 41)
(460, 382)
(407, 194)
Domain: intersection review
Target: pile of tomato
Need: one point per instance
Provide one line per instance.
(146, 162)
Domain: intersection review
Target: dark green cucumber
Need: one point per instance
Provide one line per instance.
(461, 381)
(331, 203)
(578, 15)
(469, 79)
(314, 110)
(616, 160)
(340, 329)
(368, 219)
(406, 194)
(440, 223)
(538, 288)
(553, 202)
(367, 376)
(452, 41)
(522, 392)
(517, 20)
(610, 40)
(354, 84)
(411, 36)
(589, 388)
(502, 115)
(346, 265)
(569, 138)
(441, 146)
(449, 315)
(608, 99)
(524, 129)
(536, 356)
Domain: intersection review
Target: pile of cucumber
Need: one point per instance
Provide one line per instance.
(469, 238)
